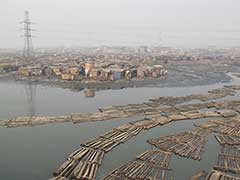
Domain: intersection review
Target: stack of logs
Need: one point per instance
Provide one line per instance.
(177, 112)
(228, 140)
(228, 160)
(229, 127)
(187, 144)
(152, 164)
(217, 175)
(81, 164)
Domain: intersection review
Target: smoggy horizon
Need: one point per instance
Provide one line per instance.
(175, 23)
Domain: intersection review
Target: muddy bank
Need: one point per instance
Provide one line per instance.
(178, 76)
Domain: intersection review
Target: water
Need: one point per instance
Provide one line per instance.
(33, 153)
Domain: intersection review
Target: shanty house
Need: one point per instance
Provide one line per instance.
(116, 74)
(68, 77)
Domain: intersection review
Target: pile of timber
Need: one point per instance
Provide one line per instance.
(223, 90)
(161, 120)
(33, 121)
(228, 140)
(233, 87)
(211, 95)
(156, 156)
(102, 143)
(227, 104)
(226, 109)
(78, 118)
(160, 110)
(152, 164)
(192, 107)
(116, 136)
(170, 100)
(173, 104)
(229, 127)
(217, 175)
(134, 108)
(188, 144)
(214, 96)
(81, 164)
(193, 114)
(84, 162)
(146, 123)
(227, 113)
(177, 117)
(72, 167)
(228, 159)
(211, 114)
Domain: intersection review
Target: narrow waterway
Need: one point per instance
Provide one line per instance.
(33, 153)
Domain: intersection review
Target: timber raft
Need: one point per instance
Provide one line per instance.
(160, 105)
(84, 162)
(153, 164)
(217, 175)
(187, 144)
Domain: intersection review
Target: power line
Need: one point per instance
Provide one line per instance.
(28, 45)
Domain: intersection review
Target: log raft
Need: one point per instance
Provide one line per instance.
(82, 163)
(217, 175)
(151, 164)
(186, 144)
(172, 106)
(228, 160)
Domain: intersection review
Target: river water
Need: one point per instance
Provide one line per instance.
(33, 153)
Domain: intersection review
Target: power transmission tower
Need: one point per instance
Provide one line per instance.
(28, 45)
(30, 88)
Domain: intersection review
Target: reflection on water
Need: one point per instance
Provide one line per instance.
(31, 153)
(30, 93)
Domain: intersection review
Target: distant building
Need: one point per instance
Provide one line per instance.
(116, 74)
(142, 49)
(88, 67)
(67, 76)
(89, 92)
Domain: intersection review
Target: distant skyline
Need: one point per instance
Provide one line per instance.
(176, 23)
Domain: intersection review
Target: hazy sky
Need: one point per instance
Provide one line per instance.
(181, 23)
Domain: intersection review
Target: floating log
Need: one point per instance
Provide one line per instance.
(199, 175)
(84, 162)
(186, 144)
(228, 160)
(102, 144)
(152, 164)
(217, 175)
(227, 113)
(161, 120)
(193, 114)
(156, 156)
(209, 114)
(227, 140)
(177, 117)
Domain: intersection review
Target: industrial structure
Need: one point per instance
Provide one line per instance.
(28, 45)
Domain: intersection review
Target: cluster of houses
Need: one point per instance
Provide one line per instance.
(90, 71)
(6, 68)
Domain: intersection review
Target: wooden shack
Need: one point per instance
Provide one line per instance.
(67, 76)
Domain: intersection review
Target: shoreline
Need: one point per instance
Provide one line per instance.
(176, 78)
